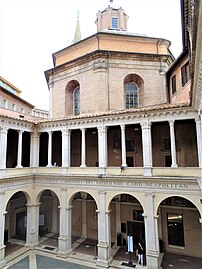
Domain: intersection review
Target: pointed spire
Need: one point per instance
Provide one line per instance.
(77, 35)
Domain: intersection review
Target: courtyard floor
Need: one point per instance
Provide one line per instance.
(83, 256)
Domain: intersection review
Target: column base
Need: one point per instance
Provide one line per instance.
(174, 165)
(19, 166)
(102, 171)
(103, 263)
(32, 245)
(83, 165)
(147, 171)
(64, 254)
(153, 260)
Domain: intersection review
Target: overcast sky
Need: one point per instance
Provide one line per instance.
(32, 30)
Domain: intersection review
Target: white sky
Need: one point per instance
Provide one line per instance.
(32, 30)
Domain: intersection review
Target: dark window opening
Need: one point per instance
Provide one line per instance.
(185, 73)
(175, 229)
(173, 81)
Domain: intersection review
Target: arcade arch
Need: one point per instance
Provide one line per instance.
(84, 218)
(126, 219)
(16, 217)
(179, 228)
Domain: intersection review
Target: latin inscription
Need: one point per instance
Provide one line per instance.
(134, 184)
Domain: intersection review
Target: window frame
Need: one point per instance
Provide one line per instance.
(76, 101)
(173, 83)
(133, 100)
(115, 23)
(185, 73)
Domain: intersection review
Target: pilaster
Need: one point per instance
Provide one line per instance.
(64, 239)
(3, 147)
(151, 234)
(2, 228)
(32, 236)
(104, 233)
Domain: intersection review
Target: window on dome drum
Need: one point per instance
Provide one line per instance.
(185, 73)
(114, 23)
(77, 101)
(131, 95)
(173, 81)
(175, 229)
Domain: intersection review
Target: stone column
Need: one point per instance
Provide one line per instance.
(2, 228)
(102, 149)
(34, 149)
(64, 239)
(32, 236)
(172, 143)
(84, 218)
(83, 148)
(54, 214)
(66, 150)
(19, 158)
(118, 217)
(3, 147)
(49, 149)
(199, 140)
(151, 233)
(123, 145)
(104, 233)
(147, 148)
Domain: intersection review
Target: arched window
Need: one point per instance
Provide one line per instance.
(77, 101)
(131, 95)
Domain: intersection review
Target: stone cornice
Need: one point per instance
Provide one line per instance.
(155, 113)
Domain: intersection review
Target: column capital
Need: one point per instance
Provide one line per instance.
(149, 194)
(123, 126)
(146, 124)
(66, 132)
(102, 129)
(171, 122)
(33, 204)
(20, 131)
(4, 130)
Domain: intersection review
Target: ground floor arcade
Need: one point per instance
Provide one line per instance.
(166, 217)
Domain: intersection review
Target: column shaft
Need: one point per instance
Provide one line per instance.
(34, 150)
(173, 146)
(49, 149)
(199, 140)
(3, 147)
(147, 147)
(123, 145)
(66, 150)
(83, 147)
(102, 148)
(19, 158)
